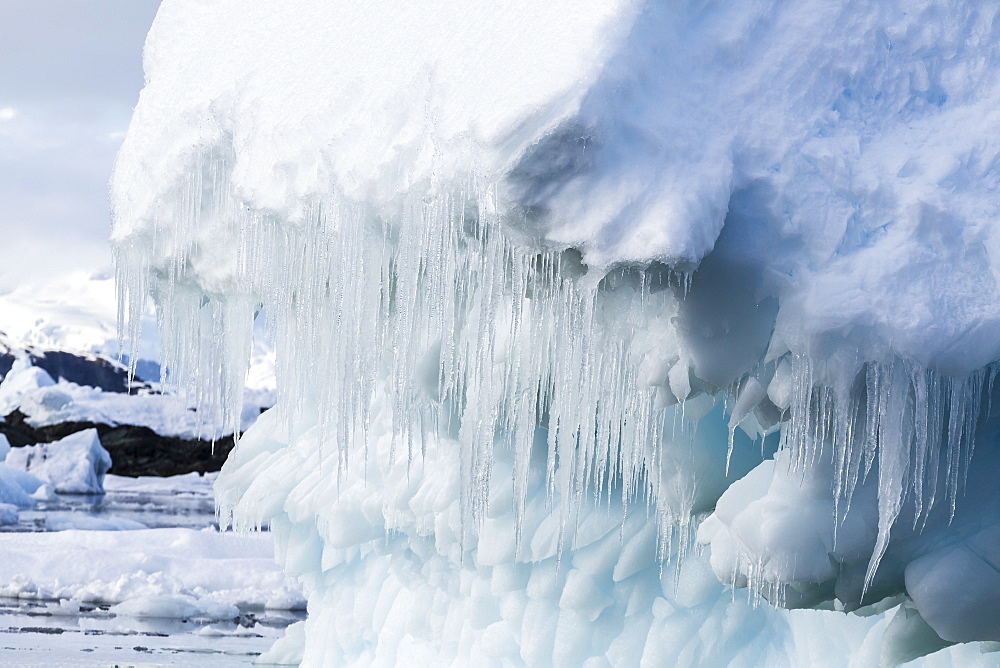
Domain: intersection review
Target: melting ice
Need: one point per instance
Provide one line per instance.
(553, 288)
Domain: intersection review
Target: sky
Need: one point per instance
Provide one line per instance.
(70, 75)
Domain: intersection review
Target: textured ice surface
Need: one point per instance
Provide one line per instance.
(544, 281)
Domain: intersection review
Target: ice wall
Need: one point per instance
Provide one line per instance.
(551, 283)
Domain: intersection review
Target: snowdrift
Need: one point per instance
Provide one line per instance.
(554, 285)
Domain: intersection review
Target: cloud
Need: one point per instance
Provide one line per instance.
(70, 72)
(67, 49)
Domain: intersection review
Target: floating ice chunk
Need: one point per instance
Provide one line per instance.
(68, 607)
(62, 521)
(75, 464)
(17, 486)
(177, 606)
(8, 513)
(44, 493)
(186, 484)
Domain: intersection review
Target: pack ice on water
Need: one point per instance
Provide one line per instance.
(608, 332)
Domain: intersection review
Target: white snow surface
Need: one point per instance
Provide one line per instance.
(147, 572)
(551, 284)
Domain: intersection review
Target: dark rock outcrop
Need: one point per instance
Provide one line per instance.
(135, 451)
(89, 370)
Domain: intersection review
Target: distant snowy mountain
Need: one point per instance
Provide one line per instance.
(76, 315)
(75, 312)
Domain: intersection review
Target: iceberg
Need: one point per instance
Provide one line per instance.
(75, 464)
(588, 316)
(17, 487)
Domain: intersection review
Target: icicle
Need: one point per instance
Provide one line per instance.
(475, 338)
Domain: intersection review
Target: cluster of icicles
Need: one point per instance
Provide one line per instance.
(905, 430)
(480, 338)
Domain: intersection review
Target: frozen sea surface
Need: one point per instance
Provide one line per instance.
(140, 576)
